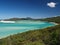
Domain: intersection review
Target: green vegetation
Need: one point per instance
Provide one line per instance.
(47, 36)
(52, 19)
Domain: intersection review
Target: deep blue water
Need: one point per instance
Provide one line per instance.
(7, 29)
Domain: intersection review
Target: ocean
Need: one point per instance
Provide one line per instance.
(9, 28)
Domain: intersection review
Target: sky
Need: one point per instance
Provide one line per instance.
(29, 8)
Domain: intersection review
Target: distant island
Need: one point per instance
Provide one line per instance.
(52, 19)
(16, 19)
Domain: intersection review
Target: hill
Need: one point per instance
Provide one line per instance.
(52, 19)
(16, 19)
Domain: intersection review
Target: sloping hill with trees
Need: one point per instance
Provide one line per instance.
(52, 19)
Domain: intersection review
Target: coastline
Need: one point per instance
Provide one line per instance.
(33, 29)
(54, 23)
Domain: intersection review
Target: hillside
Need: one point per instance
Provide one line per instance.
(52, 19)
(47, 36)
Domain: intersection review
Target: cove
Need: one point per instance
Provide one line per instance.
(7, 29)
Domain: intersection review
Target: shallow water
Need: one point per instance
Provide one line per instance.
(7, 29)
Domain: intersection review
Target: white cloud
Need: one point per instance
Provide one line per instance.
(51, 4)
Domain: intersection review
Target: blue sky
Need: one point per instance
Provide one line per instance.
(29, 8)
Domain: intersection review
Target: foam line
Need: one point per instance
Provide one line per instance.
(7, 21)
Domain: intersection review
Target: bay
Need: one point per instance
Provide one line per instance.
(7, 29)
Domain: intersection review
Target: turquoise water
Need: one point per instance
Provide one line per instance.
(7, 29)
